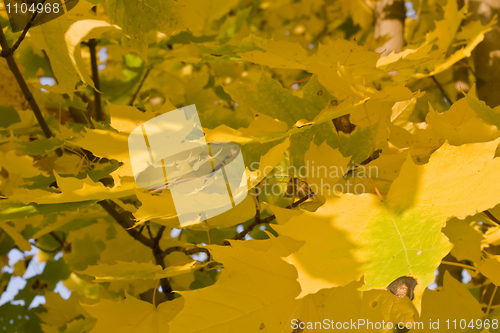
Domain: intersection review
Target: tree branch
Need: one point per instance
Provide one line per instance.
(165, 284)
(57, 238)
(95, 77)
(252, 225)
(131, 103)
(188, 252)
(11, 62)
(25, 31)
(257, 221)
(125, 219)
(159, 234)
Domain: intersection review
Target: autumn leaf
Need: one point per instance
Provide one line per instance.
(132, 315)
(369, 133)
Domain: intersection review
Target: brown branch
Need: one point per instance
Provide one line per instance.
(159, 234)
(252, 225)
(165, 284)
(9, 56)
(298, 202)
(95, 77)
(25, 31)
(257, 221)
(194, 250)
(126, 220)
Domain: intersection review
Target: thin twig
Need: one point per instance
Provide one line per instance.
(159, 234)
(139, 87)
(298, 202)
(9, 56)
(95, 77)
(298, 81)
(165, 283)
(57, 238)
(445, 95)
(252, 225)
(154, 292)
(491, 300)
(491, 217)
(25, 31)
(149, 232)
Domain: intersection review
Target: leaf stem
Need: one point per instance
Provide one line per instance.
(155, 291)
(458, 264)
(298, 81)
(491, 300)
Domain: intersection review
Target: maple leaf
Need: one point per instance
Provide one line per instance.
(400, 151)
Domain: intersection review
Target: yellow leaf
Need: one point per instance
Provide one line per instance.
(279, 54)
(59, 310)
(399, 236)
(198, 14)
(18, 165)
(77, 190)
(123, 270)
(125, 118)
(465, 238)
(461, 123)
(103, 143)
(61, 40)
(264, 128)
(405, 59)
(132, 315)
(454, 301)
(457, 181)
(160, 205)
(125, 248)
(266, 288)
(10, 93)
(325, 166)
(268, 298)
(267, 163)
(491, 269)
